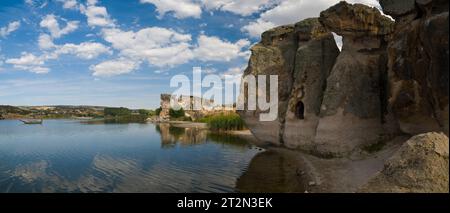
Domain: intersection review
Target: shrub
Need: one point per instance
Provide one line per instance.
(109, 111)
(158, 111)
(176, 113)
(224, 122)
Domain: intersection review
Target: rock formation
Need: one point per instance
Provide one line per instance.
(353, 111)
(316, 55)
(390, 77)
(274, 55)
(418, 64)
(420, 165)
(301, 55)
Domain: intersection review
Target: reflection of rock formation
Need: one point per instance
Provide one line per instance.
(170, 136)
(272, 172)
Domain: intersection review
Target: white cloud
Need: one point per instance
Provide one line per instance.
(114, 67)
(215, 49)
(96, 16)
(29, 62)
(32, 63)
(292, 11)
(158, 46)
(51, 23)
(235, 71)
(193, 8)
(69, 4)
(27, 59)
(255, 29)
(180, 8)
(45, 42)
(240, 7)
(85, 50)
(13, 26)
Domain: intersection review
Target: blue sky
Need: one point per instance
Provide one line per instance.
(123, 53)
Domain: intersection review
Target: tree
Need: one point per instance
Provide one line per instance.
(109, 111)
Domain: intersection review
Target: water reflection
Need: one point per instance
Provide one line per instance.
(171, 136)
(67, 156)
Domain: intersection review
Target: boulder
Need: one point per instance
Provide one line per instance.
(420, 165)
(354, 112)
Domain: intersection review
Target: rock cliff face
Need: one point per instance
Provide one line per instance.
(274, 55)
(420, 165)
(353, 112)
(418, 64)
(390, 77)
(316, 55)
(298, 54)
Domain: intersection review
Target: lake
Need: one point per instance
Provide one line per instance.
(71, 156)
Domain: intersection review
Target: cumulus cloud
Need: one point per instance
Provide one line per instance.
(85, 50)
(69, 4)
(180, 8)
(215, 49)
(96, 16)
(29, 62)
(193, 8)
(158, 46)
(45, 42)
(13, 26)
(240, 7)
(51, 23)
(291, 11)
(114, 67)
(32, 63)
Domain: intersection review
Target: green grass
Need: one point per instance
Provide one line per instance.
(224, 122)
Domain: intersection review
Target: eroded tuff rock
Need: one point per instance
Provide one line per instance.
(274, 55)
(353, 111)
(420, 165)
(300, 54)
(315, 57)
(388, 78)
(418, 64)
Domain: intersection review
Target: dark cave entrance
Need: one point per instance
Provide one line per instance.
(300, 110)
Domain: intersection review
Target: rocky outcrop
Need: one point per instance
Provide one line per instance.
(390, 77)
(420, 165)
(315, 57)
(301, 55)
(274, 55)
(353, 111)
(418, 64)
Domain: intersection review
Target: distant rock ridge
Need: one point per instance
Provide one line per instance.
(388, 78)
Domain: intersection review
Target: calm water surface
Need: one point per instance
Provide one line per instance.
(69, 156)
